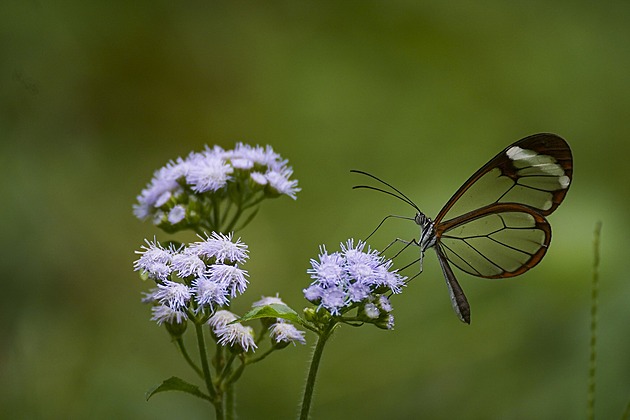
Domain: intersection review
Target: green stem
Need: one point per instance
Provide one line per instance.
(230, 402)
(261, 357)
(216, 398)
(312, 373)
(216, 209)
(240, 208)
(226, 210)
(626, 413)
(182, 349)
(236, 374)
(237, 215)
(590, 415)
(227, 367)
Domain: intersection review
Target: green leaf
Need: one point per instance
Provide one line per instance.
(273, 310)
(175, 384)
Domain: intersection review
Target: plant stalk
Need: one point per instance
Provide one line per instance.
(592, 369)
(312, 373)
(216, 398)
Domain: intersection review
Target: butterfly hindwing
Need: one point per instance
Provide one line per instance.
(496, 241)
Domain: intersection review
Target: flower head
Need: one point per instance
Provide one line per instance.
(230, 334)
(371, 310)
(233, 278)
(175, 191)
(176, 214)
(221, 247)
(164, 313)
(172, 294)
(281, 183)
(268, 300)
(199, 277)
(342, 279)
(187, 263)
(220, 319)
(154, 261)
(209, 293)
(208, 173)
(284, 332)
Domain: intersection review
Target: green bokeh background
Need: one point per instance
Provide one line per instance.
(97, 95)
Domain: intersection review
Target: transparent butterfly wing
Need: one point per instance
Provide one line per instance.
(497, 241)
(494, 226)
(535, 171)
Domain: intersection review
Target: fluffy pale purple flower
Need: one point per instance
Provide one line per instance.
(313, 293)
(241, 163)
(345, 278)
(237, 334)
(371, 311)
(259, 156)
(161, 188)
(209, 292)
(358, 291)
(164, 313)
(268, 300)
(279, 181)
(259, 178)
(209, 174)
(187, 263)
(389, 279)
(329, 269)
(231, 334)
(176, 214)
(221, 247)
(333, 299)
(385, 304)
(149, 297)
(390, 322)
(154, 261)
(283, 331)
(212, 170)
(173, 294)
(206, 284)
(232, 277)
(220, 319)
(356, 255)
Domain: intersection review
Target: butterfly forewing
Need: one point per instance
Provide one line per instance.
(535, 171)
(497, 241)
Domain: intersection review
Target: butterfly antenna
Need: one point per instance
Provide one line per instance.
(401, 196)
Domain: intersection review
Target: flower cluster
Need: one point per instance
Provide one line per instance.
(354, 277)
(194, 279)
(188, 192)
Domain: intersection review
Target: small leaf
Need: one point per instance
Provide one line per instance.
(175, 384)
(274, 310)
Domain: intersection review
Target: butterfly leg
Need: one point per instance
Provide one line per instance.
(407, 244)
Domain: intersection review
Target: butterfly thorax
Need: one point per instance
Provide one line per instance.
(427, 231)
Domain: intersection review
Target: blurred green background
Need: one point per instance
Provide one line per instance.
(97, 95)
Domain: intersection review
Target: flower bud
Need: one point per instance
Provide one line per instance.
(176, 329)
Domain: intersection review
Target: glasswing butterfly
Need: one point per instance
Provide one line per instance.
(495, 225)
